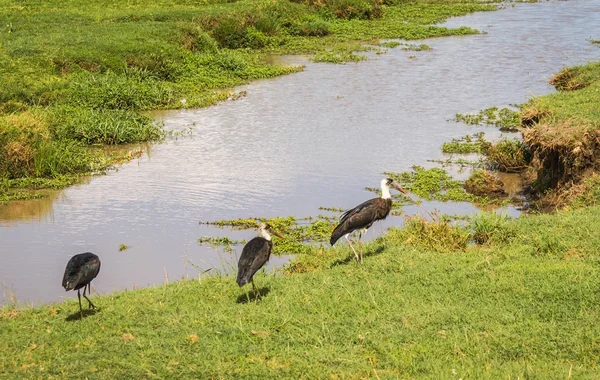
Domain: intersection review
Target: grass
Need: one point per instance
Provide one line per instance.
(562, 130)
(524, 304)
(77, 75)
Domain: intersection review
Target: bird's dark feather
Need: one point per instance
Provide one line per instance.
(81, 270)
(254, 255)
(361, 217)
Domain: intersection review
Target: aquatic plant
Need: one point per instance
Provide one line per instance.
(301, 236)
(466, 144)
(504, 118)
(508, 155)
(484, 183)
(415, 47)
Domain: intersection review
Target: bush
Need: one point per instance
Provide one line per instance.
(55, 158)
(491, 228)
(195, 39)
(484, 183)
(509, 155)
(103, 127)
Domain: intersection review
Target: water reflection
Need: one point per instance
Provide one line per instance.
(295, 143)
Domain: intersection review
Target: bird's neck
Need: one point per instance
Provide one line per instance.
(385, 192)
(265, 234)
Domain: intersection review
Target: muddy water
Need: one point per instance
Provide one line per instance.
(293, 144)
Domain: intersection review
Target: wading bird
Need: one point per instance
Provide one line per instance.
(79, 273)
(364, 215)
(255, 254)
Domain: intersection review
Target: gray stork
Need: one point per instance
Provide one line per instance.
(364, 215)
(255, 254)
(79, 273)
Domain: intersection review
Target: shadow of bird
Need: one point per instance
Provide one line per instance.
(79, 273)
(255, 255)
(253, 295)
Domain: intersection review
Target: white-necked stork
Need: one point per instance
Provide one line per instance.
(364, 215)
(255, 254)
(79, 273)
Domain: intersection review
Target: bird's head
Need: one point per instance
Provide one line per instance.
(266, 228)
(388, 182)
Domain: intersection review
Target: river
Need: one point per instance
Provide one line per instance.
(294, 143)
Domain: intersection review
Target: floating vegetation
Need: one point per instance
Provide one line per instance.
(435, 184)
(334, 209)
(466, 144)
(461, 162)
(220, 241)
(301, 236)
(123, 247)
(389, 44)
(415, 47)
(506, 119)
(338, 56)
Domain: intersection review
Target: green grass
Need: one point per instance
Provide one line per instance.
(523, 305)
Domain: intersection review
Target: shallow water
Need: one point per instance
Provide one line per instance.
(294, 143)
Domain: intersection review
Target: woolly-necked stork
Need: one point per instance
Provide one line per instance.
(255, 254)
(364, 215)
(79, 273)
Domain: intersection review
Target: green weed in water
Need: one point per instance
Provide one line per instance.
(466, 144)
(504, 118)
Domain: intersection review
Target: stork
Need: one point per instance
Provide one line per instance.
(364, 215)
(79, 273)
(255, 254)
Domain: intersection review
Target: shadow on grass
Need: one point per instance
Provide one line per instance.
(349, 258)
(77, 316)
(252, 296)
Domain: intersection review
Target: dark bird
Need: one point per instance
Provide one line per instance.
(79, 273)
(255, 254)
(364, 215)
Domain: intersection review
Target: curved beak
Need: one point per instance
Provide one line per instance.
(399, 188)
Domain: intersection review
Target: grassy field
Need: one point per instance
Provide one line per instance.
(523, 304)
(76, 75)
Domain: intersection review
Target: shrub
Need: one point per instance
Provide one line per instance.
(491, 228)
(109, 127)
(509, 155)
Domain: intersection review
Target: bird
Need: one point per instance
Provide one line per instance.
(79, 273)
(255, 254)
(364, 215)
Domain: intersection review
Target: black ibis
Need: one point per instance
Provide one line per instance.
(255, 254)
(364, 215)
(79, 273)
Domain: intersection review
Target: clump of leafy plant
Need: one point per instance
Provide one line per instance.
(504, 118)
(466, 144)
(483, 183)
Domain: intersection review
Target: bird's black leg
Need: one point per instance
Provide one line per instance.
(80, 308)
(360, 246)
(349, 242)
(88, 286)
(256, 293)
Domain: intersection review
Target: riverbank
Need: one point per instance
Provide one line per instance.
(76, 77)
(525, 303)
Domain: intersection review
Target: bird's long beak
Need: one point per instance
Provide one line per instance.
(399, 188)
(277, 234)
